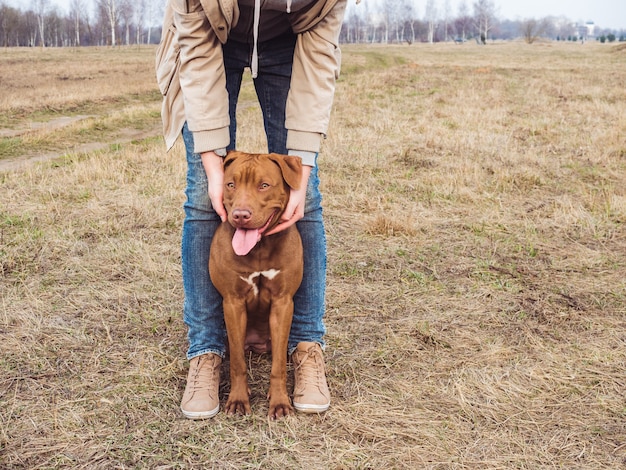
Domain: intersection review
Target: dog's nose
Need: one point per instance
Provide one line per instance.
(241, 215)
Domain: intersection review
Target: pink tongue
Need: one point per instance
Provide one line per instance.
(245, 240)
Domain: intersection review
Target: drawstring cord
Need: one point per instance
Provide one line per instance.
(255, 33)
(254, 67)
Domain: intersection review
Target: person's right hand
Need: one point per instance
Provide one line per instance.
(214, 167)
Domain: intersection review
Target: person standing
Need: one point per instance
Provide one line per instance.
(291, 48)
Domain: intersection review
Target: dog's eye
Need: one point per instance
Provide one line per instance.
(264, 186)
(230, 185)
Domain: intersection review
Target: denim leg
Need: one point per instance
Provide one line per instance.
(202, 309)
(310, 299)
(272, 87)
(236, 59)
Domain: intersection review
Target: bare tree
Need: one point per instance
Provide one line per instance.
(41, 9)
(397, 19)
(140, 12)
(77, 7)
(112, 11)
(55, 34)
(28, 29)
(409, 13)
(152, 14)
(463, 22)
(350, 32)
(387, 12)
(126, 13)
(431, 19)
(485, 18)
(447, 13)
(532, 29)
(9, 22)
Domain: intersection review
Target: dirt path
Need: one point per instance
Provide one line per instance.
(124, 136)
(53, 124)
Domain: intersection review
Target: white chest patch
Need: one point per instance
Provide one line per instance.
(251, 279)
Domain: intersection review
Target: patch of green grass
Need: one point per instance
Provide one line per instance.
(11, 146)
(370, 60)
(15, 118)
(104, 128)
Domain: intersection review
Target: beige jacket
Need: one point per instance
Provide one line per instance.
(191, 77)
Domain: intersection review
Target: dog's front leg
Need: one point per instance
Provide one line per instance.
(235, 317)
(281, 315)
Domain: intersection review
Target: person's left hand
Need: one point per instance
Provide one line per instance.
(295, 207)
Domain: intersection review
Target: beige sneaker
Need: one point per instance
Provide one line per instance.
(201, 399)
(310, 391)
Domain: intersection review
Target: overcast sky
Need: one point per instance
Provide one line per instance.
(604, 13)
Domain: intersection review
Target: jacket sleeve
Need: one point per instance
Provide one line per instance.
(167, 67)
(316, 64)
(202, 76)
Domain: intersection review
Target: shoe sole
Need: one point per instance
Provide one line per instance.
(311, 408)
(200, 414)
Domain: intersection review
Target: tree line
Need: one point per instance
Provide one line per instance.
(112, 22)
(125, 22)
(400, 21)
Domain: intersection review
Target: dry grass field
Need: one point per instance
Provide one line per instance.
(475, 200)
(74, 100)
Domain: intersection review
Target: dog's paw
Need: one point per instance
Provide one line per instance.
(279, 410)
(237, 406)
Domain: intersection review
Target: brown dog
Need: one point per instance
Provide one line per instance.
(257, 275)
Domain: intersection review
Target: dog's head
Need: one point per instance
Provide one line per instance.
(256, 192)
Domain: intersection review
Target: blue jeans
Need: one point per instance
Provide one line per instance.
(202, 309)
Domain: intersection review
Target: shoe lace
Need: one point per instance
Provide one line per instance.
(202, 376)
(309, 369)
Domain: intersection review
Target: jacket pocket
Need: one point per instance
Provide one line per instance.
(167, 58)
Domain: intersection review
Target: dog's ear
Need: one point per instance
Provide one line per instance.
(230, 157)
(291, 167)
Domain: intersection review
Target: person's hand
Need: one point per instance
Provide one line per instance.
(214, 167)
(295, 207)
